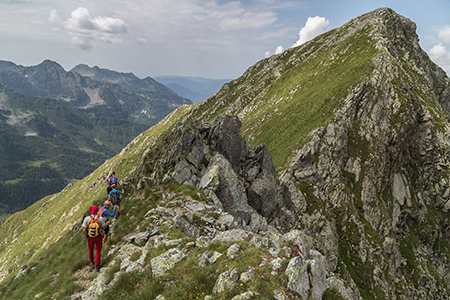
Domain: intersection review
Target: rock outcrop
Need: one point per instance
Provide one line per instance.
(214, 158)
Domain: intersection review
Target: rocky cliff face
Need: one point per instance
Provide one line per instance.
(372, 186)
(213, 157)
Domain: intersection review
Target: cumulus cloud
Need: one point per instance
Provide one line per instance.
(313, 27)
(444, 34)
(266, 54)
(440, 52)
(86, 29)
(279, 50)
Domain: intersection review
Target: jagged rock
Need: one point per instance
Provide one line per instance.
(226, 139)
(274, 251)
(230, 191)
(400, 190)
(22, 271)
(225, 219)
(189, 229)
(183, 172)
(139, 238)
(97, 287)
(258, 223)
(210, 181)
(155, 231)
(337, 285)
(280, 295)
(172, 243)
(258, 241)
(195, 207)
(318, 272)
(129, 266)
(155, 241)
(300, 239)
(297, 272)
(245, 296)
(166, 261)
(214, 257)
(233, 250)
(263, 193)
(226, 281)
(165, 212)
(203, 242)
(160, 297)
(233, 235)
(276, 264)
(247, 275)
(201, 262)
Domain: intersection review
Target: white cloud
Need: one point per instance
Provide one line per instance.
(53, 17)
(313, 27)
(441, 56)
(279, 50)
(86, 29)
(266, 54)
(444, 34)
(440, 52)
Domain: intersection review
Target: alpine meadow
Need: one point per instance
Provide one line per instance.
(322, 172)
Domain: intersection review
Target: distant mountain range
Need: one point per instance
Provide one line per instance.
(197, 89)
(58, 126)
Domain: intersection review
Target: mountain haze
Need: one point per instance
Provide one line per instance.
(197, 89)
(356, 123)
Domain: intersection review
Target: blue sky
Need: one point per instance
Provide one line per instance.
(215, 38)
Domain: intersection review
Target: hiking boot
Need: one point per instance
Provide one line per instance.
(97, 268)
(91, 264)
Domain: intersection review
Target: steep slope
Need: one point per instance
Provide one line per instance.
(356, 121)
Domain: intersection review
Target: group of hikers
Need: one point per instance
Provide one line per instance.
(96, 226)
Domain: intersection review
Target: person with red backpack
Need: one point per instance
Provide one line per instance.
(94, 225)
(105, 213)
(112, 179)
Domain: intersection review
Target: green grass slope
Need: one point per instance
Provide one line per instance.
(281, 99)
(27, 233)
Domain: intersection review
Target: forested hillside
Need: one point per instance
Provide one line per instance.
(56, 126)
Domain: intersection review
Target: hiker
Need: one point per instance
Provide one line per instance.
(114, 198)
(93, 226)
(105, 213)
(112, 179)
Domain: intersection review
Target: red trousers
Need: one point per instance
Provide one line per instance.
(97, 242)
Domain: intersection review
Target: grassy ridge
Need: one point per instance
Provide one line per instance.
(27, 233)
(281, 107)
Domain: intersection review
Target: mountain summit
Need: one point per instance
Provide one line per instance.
(342, 193)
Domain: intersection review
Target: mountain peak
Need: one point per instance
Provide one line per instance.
(51, 64)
